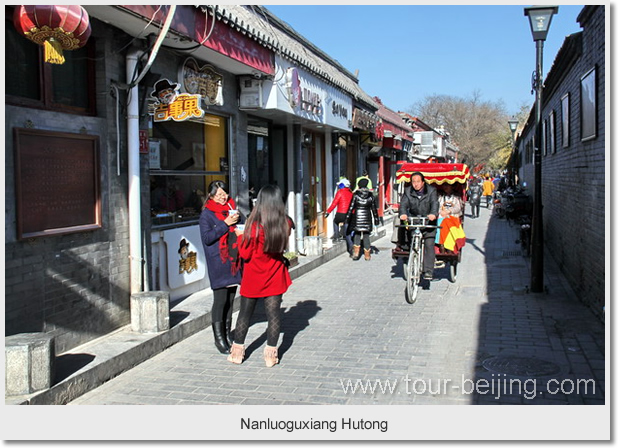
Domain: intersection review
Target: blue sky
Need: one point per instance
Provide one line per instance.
(406, 52)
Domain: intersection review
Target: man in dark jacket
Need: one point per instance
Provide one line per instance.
(421, 199)
(474, 193)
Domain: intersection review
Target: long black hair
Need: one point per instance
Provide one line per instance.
(268, 214)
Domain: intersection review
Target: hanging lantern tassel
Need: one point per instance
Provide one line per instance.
(53, 51)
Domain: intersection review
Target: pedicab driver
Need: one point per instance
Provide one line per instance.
(421, 199)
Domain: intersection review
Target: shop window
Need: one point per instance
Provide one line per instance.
(184, 158)
(552, 132)
(259, 156)
(30, 82)
(588, 113)
(566, 130)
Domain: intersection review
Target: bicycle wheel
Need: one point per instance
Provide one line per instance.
(413, 277)
(453, 271)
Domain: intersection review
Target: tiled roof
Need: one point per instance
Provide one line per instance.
(268, 30)
(391, 116)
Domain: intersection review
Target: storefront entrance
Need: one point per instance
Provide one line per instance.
(314, 188)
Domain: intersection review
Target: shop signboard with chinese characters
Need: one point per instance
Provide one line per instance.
(202, 80)
(170, 104)
(300, 93)
(185, 256)
(364, 120)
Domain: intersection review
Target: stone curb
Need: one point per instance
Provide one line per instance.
(123, 349)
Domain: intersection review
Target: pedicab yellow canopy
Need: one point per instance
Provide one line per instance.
(435, 173)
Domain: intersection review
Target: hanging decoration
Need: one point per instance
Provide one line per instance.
(56, 27)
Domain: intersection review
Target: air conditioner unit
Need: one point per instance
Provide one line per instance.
(250, 93)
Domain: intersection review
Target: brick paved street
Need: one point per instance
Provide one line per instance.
(347, 324)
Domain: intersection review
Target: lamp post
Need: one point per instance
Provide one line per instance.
(513, 122)
(540, 19)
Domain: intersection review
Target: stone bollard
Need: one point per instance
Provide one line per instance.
(150, 311)
(29, 361)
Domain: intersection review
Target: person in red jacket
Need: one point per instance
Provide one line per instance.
(341, 202)
(265, 273)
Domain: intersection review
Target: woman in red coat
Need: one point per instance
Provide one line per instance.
(265, 273)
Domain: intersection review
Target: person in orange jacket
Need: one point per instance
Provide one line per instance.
(488, 190)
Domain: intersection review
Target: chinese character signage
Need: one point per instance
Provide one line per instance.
(172, 105)
(184, 253)
(204, 81)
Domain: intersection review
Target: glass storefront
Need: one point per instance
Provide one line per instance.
(184, 158)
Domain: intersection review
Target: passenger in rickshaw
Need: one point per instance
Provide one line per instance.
(451, 202)
(421, 199)
(450, 219)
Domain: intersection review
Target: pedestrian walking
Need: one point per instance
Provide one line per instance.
(265, 273)
(341, 202)
(474, 194)
(422, 200)
(488, 190)
(365, 176)
(361, 214)
(220, 240)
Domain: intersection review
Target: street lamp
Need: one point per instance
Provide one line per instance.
(540, 19)
(513, 122)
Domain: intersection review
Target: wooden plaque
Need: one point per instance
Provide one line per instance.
(56, 182)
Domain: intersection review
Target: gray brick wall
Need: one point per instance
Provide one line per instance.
(73, 286)
(574, 177)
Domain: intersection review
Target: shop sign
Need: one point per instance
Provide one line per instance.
(364, 120)
(340, 110)
(379, 129)
(185, 258)
(143, 141)
(311, 102)
(293, 87)
(204, 81)
(172, 105)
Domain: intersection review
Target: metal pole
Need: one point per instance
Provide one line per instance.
(513, 157)
(536, 281)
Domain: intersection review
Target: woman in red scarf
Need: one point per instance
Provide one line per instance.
(265, 274)
(220, 240)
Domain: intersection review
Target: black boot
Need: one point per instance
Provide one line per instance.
(220, 340)
(228, 333)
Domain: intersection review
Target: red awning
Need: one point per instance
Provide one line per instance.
(435, 173)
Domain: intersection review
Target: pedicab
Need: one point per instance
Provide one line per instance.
(448, 253)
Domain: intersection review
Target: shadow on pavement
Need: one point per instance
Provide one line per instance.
(533, 348)
(293, 320)
(67, 365)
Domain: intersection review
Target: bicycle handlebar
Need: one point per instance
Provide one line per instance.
(418, 226)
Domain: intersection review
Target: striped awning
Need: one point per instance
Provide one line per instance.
(435, 173)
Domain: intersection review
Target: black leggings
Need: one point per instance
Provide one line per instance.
(365, 238)
(223, 304)
(272, 307)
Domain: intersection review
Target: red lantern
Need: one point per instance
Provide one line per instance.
(56, 27)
